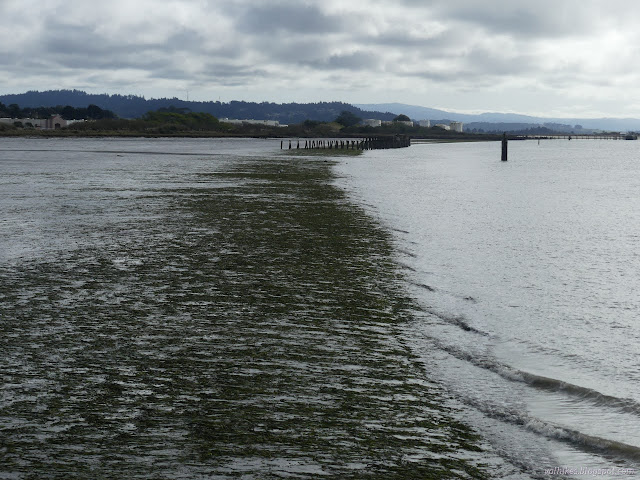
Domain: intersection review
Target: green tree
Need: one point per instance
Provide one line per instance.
(347, 119)
(14, 111)
(402, 118)
(94, 112)
(68, 112)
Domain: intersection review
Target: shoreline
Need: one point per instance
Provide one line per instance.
(64, 133)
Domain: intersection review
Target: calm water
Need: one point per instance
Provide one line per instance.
(528, 273)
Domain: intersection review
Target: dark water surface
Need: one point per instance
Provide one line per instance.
(205, 309)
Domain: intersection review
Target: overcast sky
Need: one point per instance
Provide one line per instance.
(543, 57)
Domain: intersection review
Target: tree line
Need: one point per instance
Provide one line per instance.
(91, 112)
(132, 106)
(177, 121)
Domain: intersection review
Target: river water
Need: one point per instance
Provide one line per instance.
(528, 277)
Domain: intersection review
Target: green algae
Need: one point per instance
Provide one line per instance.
(256, 337)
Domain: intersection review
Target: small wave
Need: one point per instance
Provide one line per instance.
(599, 399)
(611, 449)
(407, 267)
(423, 285)
(587, 443)
(407, 253)
(458, 321)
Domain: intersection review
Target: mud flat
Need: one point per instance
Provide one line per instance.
(250, 332)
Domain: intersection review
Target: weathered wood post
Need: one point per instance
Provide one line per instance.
(289, 144)
(504, 147)
(280, 144)
(298, 147)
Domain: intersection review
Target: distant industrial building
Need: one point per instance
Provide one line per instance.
(251, 121)
(456, 126)
(51, 123)
(371, 122)
(399, 122)
(442, 126)
(425, 123)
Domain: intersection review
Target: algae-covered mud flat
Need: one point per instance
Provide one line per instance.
(206, 309)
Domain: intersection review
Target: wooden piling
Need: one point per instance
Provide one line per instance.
(504, 147)
(366, 143)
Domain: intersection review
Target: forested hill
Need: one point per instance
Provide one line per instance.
(132, 106)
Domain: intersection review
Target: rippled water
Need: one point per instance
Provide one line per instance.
(184, 308)
(528, 272)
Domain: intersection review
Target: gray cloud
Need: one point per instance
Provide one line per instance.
(288, 17)
(543, 18)
(370, 48)
(351, 61)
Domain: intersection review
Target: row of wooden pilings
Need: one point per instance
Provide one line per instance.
(367, 143)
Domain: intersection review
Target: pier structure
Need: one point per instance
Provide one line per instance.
(585, 136)
(376, 142)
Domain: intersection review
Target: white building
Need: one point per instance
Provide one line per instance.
(372, 122)
(443, 126)
(425, 123)
(251, 121)
(456, 126)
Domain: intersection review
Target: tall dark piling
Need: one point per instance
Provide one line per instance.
(504, 147)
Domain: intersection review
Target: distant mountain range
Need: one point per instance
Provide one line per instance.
(133, 106)
(486, 120)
